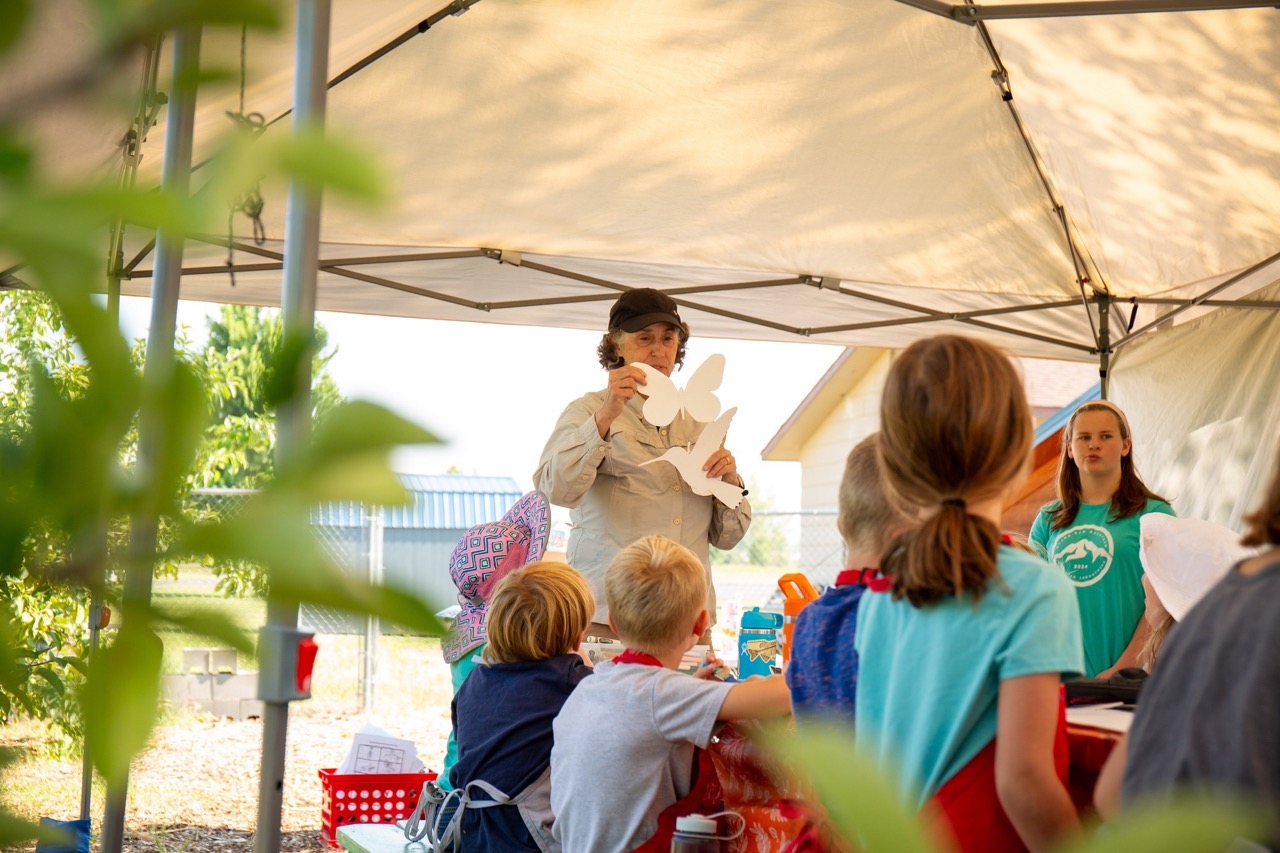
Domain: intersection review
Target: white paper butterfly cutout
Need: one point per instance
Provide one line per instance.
(665, 400)
(689, 462)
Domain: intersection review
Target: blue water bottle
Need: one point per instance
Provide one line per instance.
(758, 642)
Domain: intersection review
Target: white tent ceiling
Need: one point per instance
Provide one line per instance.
(844, 171)
(831, 171)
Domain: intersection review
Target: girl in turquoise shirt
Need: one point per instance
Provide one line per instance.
(960, 660)
(1091, 533)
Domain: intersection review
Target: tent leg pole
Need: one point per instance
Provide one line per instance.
(175, 179)
(298, 303)
(1104, 341)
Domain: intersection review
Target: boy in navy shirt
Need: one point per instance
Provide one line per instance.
(503, 712)
(823, 672)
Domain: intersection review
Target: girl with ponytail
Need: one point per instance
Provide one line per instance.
(961, 659)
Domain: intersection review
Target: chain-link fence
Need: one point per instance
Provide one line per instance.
(805, 541)
(357, 539)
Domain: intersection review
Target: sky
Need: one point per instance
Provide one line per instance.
(493, 392)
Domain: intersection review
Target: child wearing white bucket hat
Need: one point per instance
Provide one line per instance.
(1206, 722)
(1182, 558)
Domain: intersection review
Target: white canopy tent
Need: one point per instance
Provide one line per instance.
(843, 171)
(834, 171)
(847, 171)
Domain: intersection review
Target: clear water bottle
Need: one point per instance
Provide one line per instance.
(695, 833)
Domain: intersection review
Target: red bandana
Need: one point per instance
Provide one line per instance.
(642, 658)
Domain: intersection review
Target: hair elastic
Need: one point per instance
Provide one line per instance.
(954, 502)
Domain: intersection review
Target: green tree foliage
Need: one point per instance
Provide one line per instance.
(236, 365)
(70, 483)
(764, 545)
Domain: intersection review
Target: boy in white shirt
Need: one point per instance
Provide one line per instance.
(625, 739)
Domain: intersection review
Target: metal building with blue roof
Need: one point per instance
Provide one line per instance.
(408, 545)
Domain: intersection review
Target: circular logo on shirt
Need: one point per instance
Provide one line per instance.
(1084, 553)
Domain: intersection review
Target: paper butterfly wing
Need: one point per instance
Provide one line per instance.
(665, 400)
(662, 402)
(697, 397)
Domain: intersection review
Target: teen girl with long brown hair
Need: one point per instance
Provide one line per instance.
(1092, 532)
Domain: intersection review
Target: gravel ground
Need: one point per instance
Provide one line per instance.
(195, 790)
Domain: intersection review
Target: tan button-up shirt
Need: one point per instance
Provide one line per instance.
(614, 500)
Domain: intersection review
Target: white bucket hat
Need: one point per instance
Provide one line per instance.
(1184, 557)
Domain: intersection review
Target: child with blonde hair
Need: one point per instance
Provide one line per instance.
(503, 712)
(626, 740)
(961, 659)
(823, 672)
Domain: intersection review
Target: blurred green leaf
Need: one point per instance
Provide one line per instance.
(210, 622)
(336, 589)
(354, 477)
(14, 15)
(1187, 823)
(182, 404)
(280, 381)
(358, 427)
(13, 830)
(121, 697)
(348, 456)
(322, 160)
(15, 159)
(315, 159)
(51, 678)
(860, 800)
(127, 24)
(271, 530)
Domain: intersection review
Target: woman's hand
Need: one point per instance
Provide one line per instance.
(623, 384)
(721, 464)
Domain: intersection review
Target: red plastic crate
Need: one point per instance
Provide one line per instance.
(367, 798)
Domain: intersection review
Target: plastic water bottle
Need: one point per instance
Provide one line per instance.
(758, 643)
(695, 834)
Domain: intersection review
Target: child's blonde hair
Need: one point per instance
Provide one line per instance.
(867, 519)
(655, 589)
(538, 612)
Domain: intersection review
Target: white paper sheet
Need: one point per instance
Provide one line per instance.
(1112, 716)
(375, 750)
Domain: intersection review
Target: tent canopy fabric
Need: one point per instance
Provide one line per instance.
(826, 171)
(856, 172)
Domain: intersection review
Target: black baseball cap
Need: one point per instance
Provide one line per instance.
(641, 307)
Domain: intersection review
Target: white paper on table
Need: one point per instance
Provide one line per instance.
(1112, 716)
(375, 750)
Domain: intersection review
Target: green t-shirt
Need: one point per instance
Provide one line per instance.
(1100, 558)
(458, 671)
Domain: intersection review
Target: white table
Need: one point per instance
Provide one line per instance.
(377, 838)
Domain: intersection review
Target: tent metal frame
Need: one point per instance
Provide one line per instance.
(972, 13)
(300, 265)
(1095, 294)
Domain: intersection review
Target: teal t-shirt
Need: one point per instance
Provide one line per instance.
(929, 678)
(458, 671)
(1100, 558)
